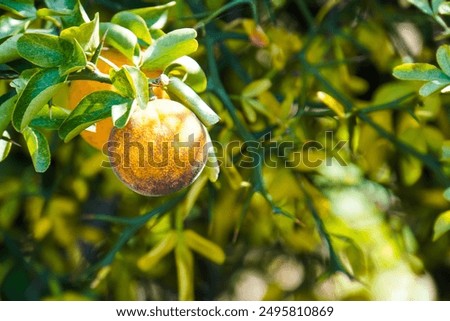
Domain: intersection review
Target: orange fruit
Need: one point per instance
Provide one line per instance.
(80, 88)
(162, 149)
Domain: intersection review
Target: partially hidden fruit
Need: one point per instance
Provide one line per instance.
(78, 89)
(161, 150)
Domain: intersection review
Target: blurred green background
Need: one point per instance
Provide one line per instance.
(359, 230)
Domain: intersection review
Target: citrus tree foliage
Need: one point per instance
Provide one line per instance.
(334, 175)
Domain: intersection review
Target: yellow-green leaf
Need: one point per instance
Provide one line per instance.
(169, 47)
(442, 225)
(204, 247)
(331, 103)
(164, 247)
(185, 272)
(191, 100)
(256, 88)
(5, 145)
(38, 148)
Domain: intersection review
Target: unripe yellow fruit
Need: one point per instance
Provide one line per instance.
(162, 149)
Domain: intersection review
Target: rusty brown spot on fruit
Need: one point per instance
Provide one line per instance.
(161, 150)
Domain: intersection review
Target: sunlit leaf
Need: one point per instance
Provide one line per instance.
(419, 71)
(171, 46)
(77, 16)
(38, 148)
(11, 26)
(134, 23)
(121, 113)
(42, 86)
(435, 4)
(41, 49)
(131, 82)
(444, 8)
(7, 103)
(8, 49)
(433, 86)
(192, 101)
(49, 118)
(156, 16)
(74, 56)
(442, 225)
(120, 38)
(331, 103)
(189, 71)
(87, 34)
(92, 108)
(5, 145)
(443, 58)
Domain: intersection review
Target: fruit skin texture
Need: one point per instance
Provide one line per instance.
(161, 150)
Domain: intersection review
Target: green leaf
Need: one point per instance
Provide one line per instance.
(121, 113)
(446, 150)
(204, 247)
(8, 49)
(92, 108)
(122, 39)
(133, 22)
(38, 148)
(443, 58)
(74, 56)
(23, 8)
(49, 118)
(158, 252)
(46, 12)
(131, 82)
(419, 71)
(77, 16)
(5, 145)
(447, 194)
(410, 166)
(442, 225)
(444, 8)
(189, 71)
(191, 100)
(6, 110)
(185, 272)
(256, 88)
(155, 17)
(171, 46)
(41, 49)
(248, 110)
(433, 86)
(423, 5)
(21, 82)
(11, 26)
(435, 4)
(87, 35)
(42, 86)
